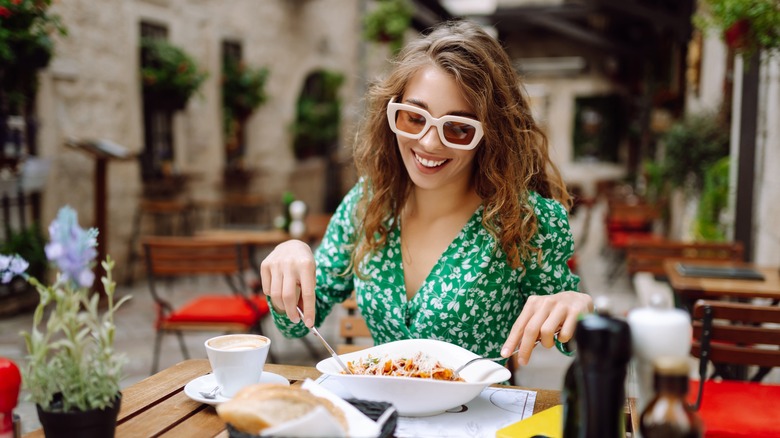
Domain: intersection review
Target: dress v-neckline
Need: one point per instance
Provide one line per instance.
(436, 266)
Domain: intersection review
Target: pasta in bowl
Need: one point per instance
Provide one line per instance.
(414, 375)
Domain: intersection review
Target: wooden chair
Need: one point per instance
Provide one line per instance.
(734, 336)
(353, 327)
(184, 257)
(644, 255)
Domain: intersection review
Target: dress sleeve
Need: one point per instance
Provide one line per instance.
(334, 279)
(551, 273)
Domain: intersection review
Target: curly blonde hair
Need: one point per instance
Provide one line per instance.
(511, 160)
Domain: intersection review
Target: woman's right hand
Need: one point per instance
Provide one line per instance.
(288, 278)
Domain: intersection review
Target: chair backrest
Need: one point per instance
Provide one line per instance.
(644, 255)
(168, 257)
(187, 256)
(737, 334)
(352, 327)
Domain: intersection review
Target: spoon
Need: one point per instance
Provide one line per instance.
(210, 395)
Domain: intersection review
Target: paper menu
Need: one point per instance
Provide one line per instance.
(492, 410)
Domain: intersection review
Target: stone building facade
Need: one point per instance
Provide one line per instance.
(92, 91)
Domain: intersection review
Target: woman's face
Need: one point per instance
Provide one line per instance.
(431, 164)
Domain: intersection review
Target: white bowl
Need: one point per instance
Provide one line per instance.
(412, 396)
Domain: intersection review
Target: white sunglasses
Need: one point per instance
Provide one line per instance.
(413, 122)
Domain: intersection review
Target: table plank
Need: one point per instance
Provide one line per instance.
(167, 414)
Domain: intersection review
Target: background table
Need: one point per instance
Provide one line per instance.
(689, 288)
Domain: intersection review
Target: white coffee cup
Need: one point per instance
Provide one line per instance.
(237, 360)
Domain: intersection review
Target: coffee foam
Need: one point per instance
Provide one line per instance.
(238, 343)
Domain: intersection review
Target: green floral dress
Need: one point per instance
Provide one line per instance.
(470, 298)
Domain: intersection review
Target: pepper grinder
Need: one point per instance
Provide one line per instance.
(10, 382)
(603, 352)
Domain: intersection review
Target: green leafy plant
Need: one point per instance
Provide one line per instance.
(243, 90)
(318, 116)
(168, 72)
(388, 21)
(746, 25)
(26, 46)
(691, 146)
(708, 225)
(71, 361)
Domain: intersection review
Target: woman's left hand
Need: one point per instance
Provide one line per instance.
(541, 318)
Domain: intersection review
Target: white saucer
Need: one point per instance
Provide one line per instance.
(208, 382)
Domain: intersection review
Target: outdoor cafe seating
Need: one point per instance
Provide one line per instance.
(231, 311)
(736, 338)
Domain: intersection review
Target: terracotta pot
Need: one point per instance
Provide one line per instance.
(96, 423)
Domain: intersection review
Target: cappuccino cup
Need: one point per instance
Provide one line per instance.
(237, 360)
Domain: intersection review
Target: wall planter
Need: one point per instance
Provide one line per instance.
(747, 26)
(388, 22)
(169, 76)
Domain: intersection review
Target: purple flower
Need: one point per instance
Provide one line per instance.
(72, 248)
(11, 266)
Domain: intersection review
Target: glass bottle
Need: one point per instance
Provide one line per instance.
(668, 415)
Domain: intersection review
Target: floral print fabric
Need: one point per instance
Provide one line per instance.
(470, 298)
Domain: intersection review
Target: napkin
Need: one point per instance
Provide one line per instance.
(319, 422)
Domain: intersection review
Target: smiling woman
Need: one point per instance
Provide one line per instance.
(457, 229)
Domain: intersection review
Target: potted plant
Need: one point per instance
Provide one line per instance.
(243, 90)
(318, 115)
(169, 76)
(388, 21)
(72, 371)
(746, 25)
(26, 46)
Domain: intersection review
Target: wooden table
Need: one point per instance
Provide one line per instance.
(316, 224)
(157, 405)
(689, 288)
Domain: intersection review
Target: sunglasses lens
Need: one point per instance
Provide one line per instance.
(409, 122)
(459, 133)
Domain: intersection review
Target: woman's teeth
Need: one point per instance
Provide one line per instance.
(428, 163)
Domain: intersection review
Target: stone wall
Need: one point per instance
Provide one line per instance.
(767, 194)
(91, 91)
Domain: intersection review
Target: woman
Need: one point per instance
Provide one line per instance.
(457, 228)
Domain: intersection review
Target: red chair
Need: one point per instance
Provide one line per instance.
(734, 336)
(185, 257)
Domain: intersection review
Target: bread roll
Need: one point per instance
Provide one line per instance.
(260, 406)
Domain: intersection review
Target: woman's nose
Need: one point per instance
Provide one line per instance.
(431, 139)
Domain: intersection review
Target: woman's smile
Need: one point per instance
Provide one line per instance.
(429, 163)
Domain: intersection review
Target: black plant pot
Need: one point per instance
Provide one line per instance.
(97, 423)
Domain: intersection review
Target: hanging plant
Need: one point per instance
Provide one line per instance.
(318, 116)
(746, 25)
(692, 146)
(168, 73)
(388, 22)
(26, 46)
(243, 91)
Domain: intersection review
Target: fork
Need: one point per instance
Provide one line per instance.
(212, 394)
(457, 371)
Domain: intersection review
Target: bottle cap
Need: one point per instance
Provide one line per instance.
(671, 366)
